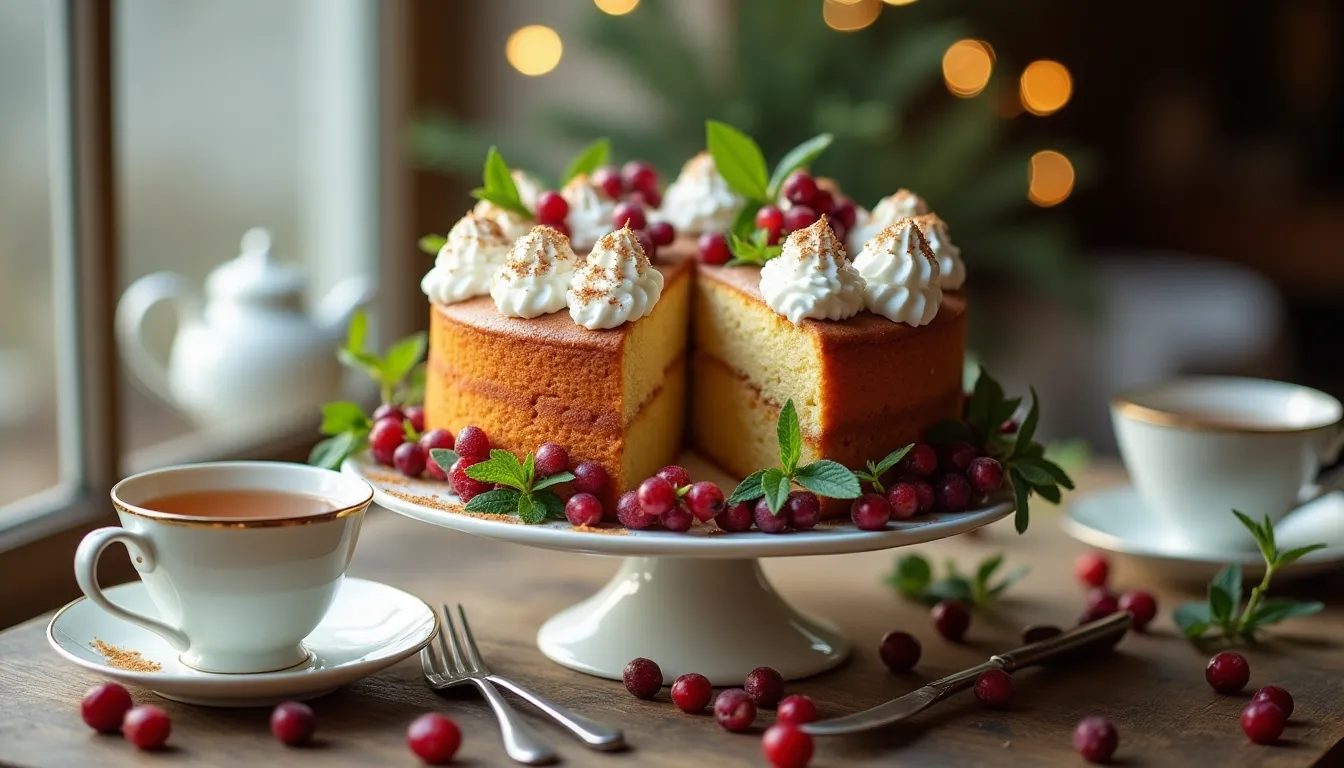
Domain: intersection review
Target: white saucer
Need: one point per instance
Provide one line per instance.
(1117, 521)
(371, 626)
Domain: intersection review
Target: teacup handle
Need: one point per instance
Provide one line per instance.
(86, 573)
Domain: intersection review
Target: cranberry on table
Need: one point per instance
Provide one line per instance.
(662, 233)
(843, 212)
(692, 692)
(583, 509)
(471, 441)
(640, 176)
(900, 651)
(642, 678)
(590, 477)
(870, 512)
(434, 738)
(803, 509)
(771, 219)
(799, 217)
(705, 500)
(1100, 604)
(631, 514)
(1277, 695)
(550, 459)
(796, 710)
(678, 519)
(713, 248)
(293, 723)
(104, 707)
(388, 411)
(1142, 605)
(994, 688)
(608, 179)
(734, 710)
(736, 518)
(1228, 672)
(765, 686)
(1263, 721)
(628, 215)
(147, 726)
(465, 487)
(953, 493)
(409, 459)
(926, 496)
(384, 438)
(985, 474)
(767, 521)
(677, 476)
(800, 188)
(951, 618)
(921, 461)
(903, 498)
(1092, 569)
(786, 746)
(656, 496)
(1095, 739)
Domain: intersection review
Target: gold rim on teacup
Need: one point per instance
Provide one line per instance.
(1125, 404)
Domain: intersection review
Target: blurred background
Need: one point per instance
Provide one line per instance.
(1139, 188)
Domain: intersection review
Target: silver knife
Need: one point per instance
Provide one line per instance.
(1098, 633)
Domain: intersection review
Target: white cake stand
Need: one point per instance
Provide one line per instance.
(693, 602)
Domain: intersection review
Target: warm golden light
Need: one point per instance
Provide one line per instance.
(616, 7)
(1049, 178)
(898, 2)
(1046, 87)
(966, 67)
(534, 49)
(850, 15)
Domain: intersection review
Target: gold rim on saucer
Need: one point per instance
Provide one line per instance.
(1125, 405)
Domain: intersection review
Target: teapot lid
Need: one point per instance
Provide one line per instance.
(255, 275)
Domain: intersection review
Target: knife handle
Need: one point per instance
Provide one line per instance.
(1101, 632)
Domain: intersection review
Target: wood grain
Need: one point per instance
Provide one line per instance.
(1153, 687)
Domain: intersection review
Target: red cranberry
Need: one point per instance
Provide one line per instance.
(994, 688)
(384, 438)
(677, 476)
(713, 248)
(608, 179)
(662, 233)
(631, 514)
(640, 176)
(822, 201)
(436, 438)
(843, 212)
(551, 208)
(785, 746)
(870, 512)
(104, 707)
(800, 188)
(705, 500)
(803, 509)
(692, 692)
(734, 710)
(590, 477)
(147, 726)
(900, 651)
(416, 415)
(736, 518)
(434, 738)
(956, 457)
(1100, 604)
(926, 496)
(951, 618)
(643, 679)
(799, 217)
(1008, 427)
(628, 214)
(409, 459)
(1228, 672)
(985, 474)
(1092, 569)
(771, 219)
(903, 498)
(293, 723)
(767, 521)
(796, 710)
(953, 493)
(1263, 721)
(646, 244)
(765, 686)
(656, 496)
(1140, 603)
(647, 200)
(471, 441)
(550, 459)
(465, 487)
(1278, 696)
(583, 509)
(1095, 739)
(678, 519)
(388, 411)
(921, 461)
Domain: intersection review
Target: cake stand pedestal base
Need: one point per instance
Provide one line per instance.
(718, 617)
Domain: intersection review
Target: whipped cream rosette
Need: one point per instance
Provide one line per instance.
(951, 269)
(513, 225)
(528, 187)
(535, 276)
(590, 211)
(812, 277)
(474, 249)
(902, 204)
(699, 200)
(616, 284)
(901, 275)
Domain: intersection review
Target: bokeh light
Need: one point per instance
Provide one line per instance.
(898, 2)
(1049, 178)
(616, 7)
(851, 15)
(1046, 87)
(966, 67)
(534, 49)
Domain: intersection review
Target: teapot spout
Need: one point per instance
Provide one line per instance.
(339, 305)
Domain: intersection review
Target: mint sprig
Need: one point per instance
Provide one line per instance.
(741, 163)
(823, 477)
(753, 249)
(1222, 613)
(347, 428)
(913, 580)
(593, 156)
(392, 369)
(526, 495)
(874, 471)
(498, 186)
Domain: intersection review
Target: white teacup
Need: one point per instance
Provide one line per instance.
(235, 592)
(1197, 448)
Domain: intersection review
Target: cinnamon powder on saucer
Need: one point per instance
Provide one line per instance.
(121, 658)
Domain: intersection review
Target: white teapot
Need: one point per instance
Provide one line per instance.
(250, 352)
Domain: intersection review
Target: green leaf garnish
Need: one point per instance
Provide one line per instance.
(824, 478)
(592, 157)
(830, 479)
(800, 156)
(875, 470)
(432, 244)
(502, 467)
(790, 438)
(330, 453)
(752, 249)
(526, 496)
(444, 457)
(913, 579)
(501, 501)
(775, 486)
(390, 371)
(748, 489)
(738, 159)
(549, 480)
(499, 187)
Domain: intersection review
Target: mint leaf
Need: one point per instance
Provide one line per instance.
(912, 576)
(444, 457)
(356, 332)
(748, 489)
(1027, 430)
(790, 438)
(1278, 609)
(1294, 555)
(1048, 492)
(830, 479)
(1034, 474)
(985, 398)
(802, 155)
(1194, 619)
(502, 467)
(951, 588)
(402, 356)
(499, 184)
(432, 244)
(343, 416)
(553, 504)
(744, 224)
(1229, 580)
(1014, 576)
(775, 485)
(530, 511)
(549, 480)
(986, 570)
(592, 157)
(1021, 494)
(529, 470)
(497, 502)
(738, 160)
(501, 201)
(1220, 604)
(1265, 544)
(1056, 473)
(330, 453)
(891, 460)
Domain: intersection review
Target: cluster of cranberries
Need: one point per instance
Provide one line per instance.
(946, 479)
(783, 743)
(398, 439)
(1264, 717)
(804, 202)
(670, 498)
(636, 186)
(1093, 571)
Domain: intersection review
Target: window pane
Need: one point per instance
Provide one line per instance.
(29, 459)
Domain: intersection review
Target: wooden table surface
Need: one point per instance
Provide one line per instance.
(1153, 687)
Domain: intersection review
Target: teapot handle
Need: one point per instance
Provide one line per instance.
(141, 297)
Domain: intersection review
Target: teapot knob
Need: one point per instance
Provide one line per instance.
(256, 243)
